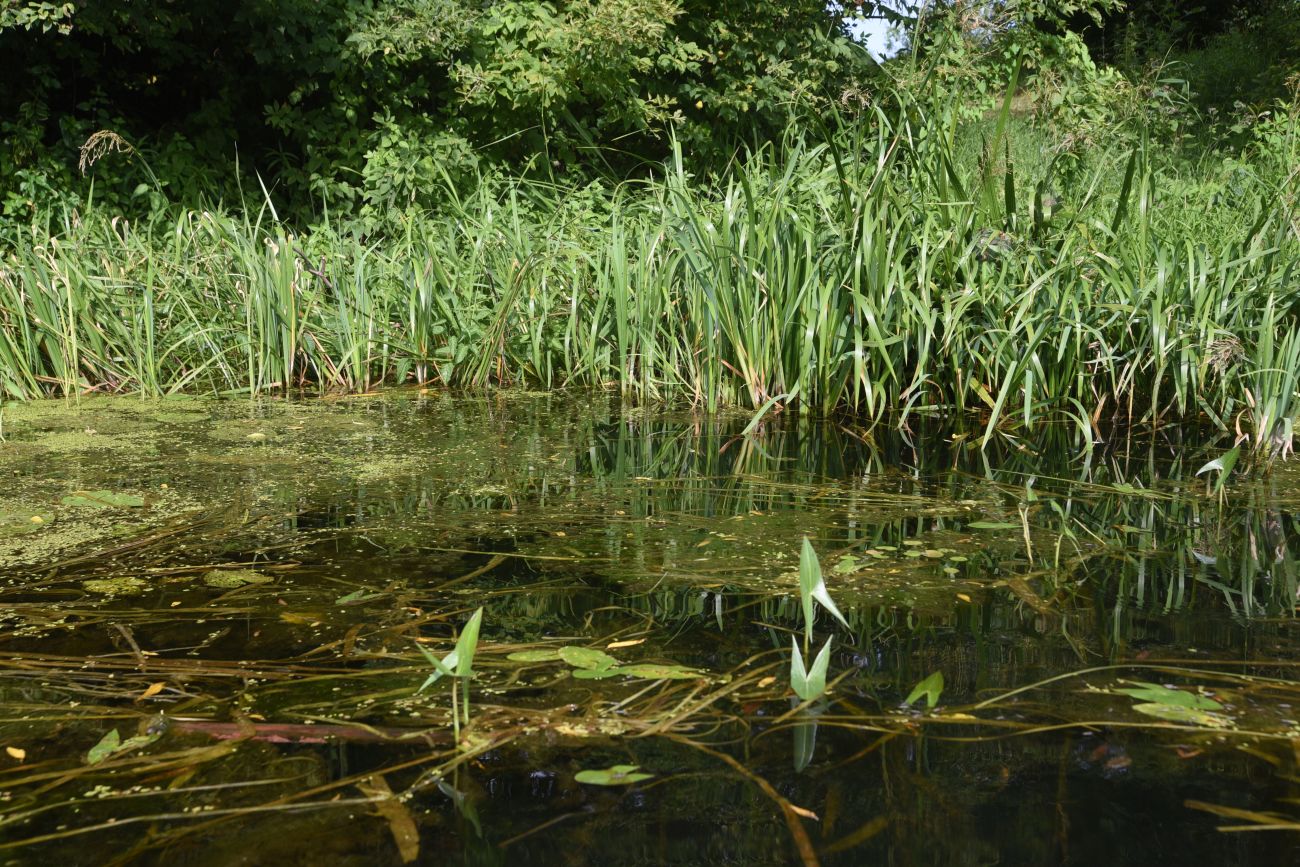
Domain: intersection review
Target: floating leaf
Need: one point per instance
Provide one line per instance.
(587, 657)
(549, 655)
(618, 775)
(845, 566)
(1175, 713)
(125, 586)
(364, 594)
(657, 671)
(931, 688)
(103, 500)
(647, 671)
(992, 525)
(1157, 694)
(22, 523)
(233, 578)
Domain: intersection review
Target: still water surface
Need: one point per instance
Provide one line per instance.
(240, 590)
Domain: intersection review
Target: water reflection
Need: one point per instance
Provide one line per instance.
(674, 537)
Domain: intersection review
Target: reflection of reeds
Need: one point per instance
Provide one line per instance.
(1112, 537)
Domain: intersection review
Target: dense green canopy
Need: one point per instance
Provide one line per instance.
(371, 107)
(363, 103)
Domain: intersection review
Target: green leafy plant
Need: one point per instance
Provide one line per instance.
(930, 689)
(812, 590)
(1223, 464)
(810, 683)
(112, 744)
(459, 665)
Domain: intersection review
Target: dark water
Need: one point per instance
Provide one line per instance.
(253, 618)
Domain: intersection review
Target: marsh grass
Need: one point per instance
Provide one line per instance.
(870, 269)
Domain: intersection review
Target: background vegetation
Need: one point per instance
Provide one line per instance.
(1037, 208)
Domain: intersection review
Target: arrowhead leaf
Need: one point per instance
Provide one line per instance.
(930, 688)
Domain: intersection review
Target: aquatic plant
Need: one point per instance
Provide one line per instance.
(459, 665)
(930, 689)
(869, 270)
(810, 683)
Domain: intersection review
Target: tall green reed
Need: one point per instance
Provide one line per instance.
(867, 269)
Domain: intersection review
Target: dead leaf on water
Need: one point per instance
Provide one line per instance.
(152, 690)
(405, 834)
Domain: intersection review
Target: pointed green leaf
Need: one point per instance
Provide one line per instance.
(1224, 464)
(810, 572)
(798, 673)
(931, 688)
(107, 745)
(1158, 694)
(103, 500)
(547, 655)
(1172, 713)
(445, 667)
(812, 586)
(467, 644)
(817, 674)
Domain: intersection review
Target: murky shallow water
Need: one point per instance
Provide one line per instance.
(241, 587)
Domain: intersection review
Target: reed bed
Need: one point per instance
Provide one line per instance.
(870, 271)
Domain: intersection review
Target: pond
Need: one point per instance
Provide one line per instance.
(218, 619)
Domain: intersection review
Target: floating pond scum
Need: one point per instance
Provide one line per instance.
(218, 618)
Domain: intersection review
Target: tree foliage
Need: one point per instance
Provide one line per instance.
(370, 105)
